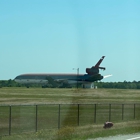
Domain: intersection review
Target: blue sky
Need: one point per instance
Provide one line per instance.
(55, 36)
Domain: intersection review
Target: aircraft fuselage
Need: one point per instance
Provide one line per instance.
(92, 74)
(70, 78)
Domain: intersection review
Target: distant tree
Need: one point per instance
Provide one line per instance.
(119, 85)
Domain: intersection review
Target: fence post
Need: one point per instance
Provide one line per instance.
(59, 116)
(78, 115)
(36, 118)
(95, 113)
(134, 111)
(10, 120)
(122, 110)
(109, 112)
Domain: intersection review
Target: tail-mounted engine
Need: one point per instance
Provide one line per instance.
(92, 71)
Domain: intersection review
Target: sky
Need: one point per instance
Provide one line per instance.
(55, 36)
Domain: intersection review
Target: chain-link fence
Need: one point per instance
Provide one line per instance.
(27, 118)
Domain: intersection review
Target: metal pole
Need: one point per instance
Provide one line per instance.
(95, 113)
(122, 110)
(77, 76)
(109, 112)
(59, 116)
(78, 115)
(36, 117)
(10, 120)
(134, 110)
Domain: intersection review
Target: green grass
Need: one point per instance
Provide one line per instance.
(43, 96)
(24, 116)
(79, 133)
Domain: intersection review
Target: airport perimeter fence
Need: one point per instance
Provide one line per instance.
(16, 119)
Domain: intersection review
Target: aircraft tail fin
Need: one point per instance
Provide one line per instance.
(99, 62)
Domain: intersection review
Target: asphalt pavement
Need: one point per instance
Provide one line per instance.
(120, 137)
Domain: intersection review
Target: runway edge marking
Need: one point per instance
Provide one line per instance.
(133, 138)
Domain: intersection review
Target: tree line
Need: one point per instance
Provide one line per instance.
(53, 84)
(50, 84)
(119, 85)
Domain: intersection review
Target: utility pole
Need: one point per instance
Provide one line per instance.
(77, 75)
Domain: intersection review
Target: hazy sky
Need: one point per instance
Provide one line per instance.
(55, 36)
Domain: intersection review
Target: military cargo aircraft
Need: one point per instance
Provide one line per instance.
(92, 74)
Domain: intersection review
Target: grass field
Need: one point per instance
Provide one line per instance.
(24, 116)
(58, 96)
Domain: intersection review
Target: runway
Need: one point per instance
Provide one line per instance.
(121, 137)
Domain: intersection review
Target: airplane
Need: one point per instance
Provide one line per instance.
(92, 74)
